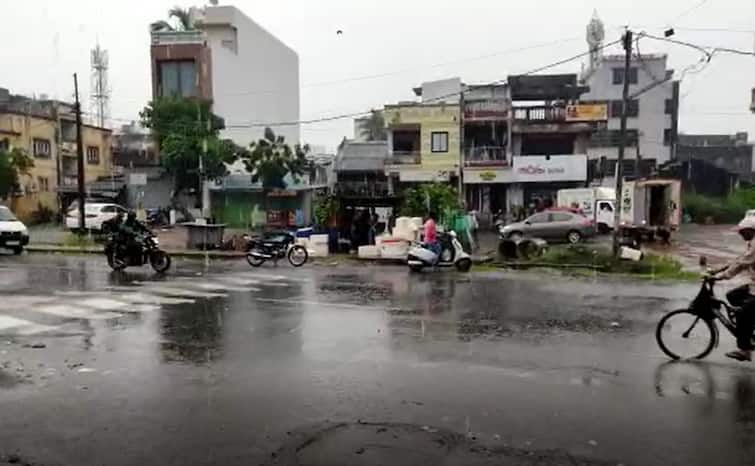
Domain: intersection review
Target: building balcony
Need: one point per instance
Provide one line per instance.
(68, 149)
(361, 189)
(177, 37)
(485, 156)
(404, 158)
(540, 114)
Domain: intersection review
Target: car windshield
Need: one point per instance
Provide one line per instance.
(6, 215)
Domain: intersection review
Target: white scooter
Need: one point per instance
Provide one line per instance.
(452, 253)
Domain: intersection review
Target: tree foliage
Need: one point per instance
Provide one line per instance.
(180, 127)
(373, 127)
(431, 197)
(13, 163)
(182, 21)
(270, 159)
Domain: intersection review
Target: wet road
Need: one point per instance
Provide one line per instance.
(352, 365)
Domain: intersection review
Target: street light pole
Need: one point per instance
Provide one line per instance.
(622, 142)
(80, 156)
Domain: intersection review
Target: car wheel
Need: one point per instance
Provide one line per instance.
(574, 237)
(603, 229)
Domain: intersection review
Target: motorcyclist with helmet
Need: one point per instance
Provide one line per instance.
(129, 233)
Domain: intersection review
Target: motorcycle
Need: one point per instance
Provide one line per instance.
(275, 246)
(149, 252)
(451, 254)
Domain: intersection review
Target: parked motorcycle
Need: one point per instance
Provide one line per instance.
(148, 252)
(275, 246)
(452, 254)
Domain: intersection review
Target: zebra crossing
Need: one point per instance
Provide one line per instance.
(29, 315)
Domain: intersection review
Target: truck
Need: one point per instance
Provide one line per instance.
(596, 203)
(650, 208)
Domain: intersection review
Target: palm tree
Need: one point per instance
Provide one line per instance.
(182, 17)
(373, 127)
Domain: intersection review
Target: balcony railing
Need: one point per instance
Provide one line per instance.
(404, 158)
(362, 189)
(177, 37)
(485, 156)
(540, 114)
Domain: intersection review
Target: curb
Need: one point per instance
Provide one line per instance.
(95, 250)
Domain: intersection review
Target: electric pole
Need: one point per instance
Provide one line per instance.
(622, 141)
(79, 155)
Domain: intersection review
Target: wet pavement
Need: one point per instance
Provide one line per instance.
(223, 364)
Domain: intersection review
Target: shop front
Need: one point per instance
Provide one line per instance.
(537, 179)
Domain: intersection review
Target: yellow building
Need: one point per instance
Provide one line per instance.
(423, 141)
(46, 130)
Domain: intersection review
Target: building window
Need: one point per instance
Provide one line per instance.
(4, 145)
(42, 148)
(633, 110)
(618, 75)
(668, 107)
(439, 141)
(93, 155)
(177, 78)
(667, 137)
(43, 184)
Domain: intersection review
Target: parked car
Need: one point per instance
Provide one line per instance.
(13, 233)
(554, 226)
(95, 214)
(750, 213)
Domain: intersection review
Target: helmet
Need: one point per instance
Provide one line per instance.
(748, 223)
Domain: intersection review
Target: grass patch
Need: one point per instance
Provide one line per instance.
(729, 209)
(583, 256)
(79, 241)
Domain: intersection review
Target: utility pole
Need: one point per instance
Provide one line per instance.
(622, 141)
(79, 155)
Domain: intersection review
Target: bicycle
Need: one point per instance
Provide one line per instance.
(705, 309)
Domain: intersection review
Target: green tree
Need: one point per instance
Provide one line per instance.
(182, 21)
(13, 163)
(373, 127)
(431, 197)
(181, 127)
(270, 159)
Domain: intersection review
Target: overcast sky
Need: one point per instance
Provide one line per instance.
(404, 41)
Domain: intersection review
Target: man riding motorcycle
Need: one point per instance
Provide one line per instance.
(743, 296)
(130, 231)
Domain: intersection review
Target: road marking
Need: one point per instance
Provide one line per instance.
(73, 312)
(171, 291)
(22, 327)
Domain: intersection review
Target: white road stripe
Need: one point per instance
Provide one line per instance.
(171, 291)
(22, 327)
(74, 312)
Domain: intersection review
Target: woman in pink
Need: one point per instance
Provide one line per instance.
(430, 235)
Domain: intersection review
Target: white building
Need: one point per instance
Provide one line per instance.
(652, 113)
(249, 75)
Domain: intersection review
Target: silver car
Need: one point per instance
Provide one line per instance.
(553, 226)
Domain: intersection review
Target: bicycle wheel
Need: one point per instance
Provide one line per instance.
(681, 334)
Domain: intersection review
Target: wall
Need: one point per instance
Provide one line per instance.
(431, 118)
(255, 81)
(652, 118)
(201, 56)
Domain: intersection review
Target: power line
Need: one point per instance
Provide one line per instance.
(690, 10)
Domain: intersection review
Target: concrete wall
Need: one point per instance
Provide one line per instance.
(652, 118)
(255, 77)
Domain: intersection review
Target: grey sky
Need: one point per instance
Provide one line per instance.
(407, 40)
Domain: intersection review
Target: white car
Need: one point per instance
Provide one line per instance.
(94, 215)
(13, 233)
(749, 214)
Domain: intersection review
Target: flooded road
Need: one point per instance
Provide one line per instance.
(353, 365)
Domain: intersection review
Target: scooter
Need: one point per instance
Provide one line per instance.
(452, 254)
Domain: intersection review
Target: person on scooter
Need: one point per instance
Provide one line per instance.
(430, 236)
(743, 296)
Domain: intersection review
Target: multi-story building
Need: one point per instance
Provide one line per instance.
(250, 76)
(653, 111)
(525, 141)
(424, 137)
(46, 130)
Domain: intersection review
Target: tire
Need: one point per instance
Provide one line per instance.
(18, 250)
(574, 237)
(463, 265)
(416, 268)
(603, 229)
(302, 256)
(253, 260)
(515, 236)
(694, 321)
(160, 261)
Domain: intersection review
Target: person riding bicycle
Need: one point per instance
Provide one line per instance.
(743, 296)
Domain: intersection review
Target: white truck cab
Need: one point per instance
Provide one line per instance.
(597, 204)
